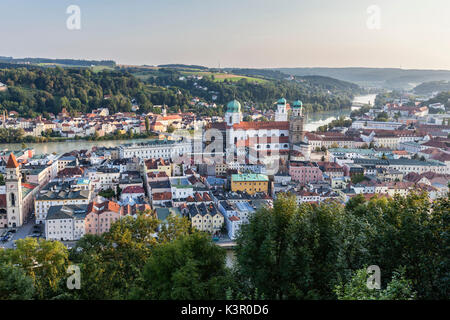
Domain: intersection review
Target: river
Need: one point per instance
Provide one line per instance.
(318, 119)
(314, 121)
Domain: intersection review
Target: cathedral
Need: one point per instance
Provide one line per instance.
(16, 200)
(264, 141)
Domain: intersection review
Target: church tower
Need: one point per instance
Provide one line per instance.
(281, 113)
(233, 114)
(13, 193)
(296, 123)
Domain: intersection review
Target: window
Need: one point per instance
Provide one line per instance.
(13, 199)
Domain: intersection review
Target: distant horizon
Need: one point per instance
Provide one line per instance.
(260, 34)
(221, 67)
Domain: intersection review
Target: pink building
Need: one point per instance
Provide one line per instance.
(100, 216)
(305, 172)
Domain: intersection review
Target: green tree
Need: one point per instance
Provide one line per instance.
(147, 124)
(108, 193)
(188, 268)
(174, 228)
(357, 178)
(398, 288)
(262, 248)
(409, 232)
(15, 284)
(319, 251)
(170, 129)
(45, 262)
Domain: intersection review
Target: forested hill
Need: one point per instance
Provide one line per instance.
(34, 90)
(321, 81)
(255, 88)
(432, 86)
(390, 78)
(442, 97)
(67, 62)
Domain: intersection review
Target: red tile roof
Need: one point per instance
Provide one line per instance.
(133, 189)
(12, 162)
(162, 196)
(257, 125)
(103, 207)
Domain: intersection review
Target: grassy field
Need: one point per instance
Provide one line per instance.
(100, 68)
(145, 73)
(220, 77)
(94, 68)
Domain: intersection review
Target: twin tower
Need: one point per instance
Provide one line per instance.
(295, 117)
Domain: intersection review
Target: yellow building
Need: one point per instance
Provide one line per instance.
(205, 217)
(250, 183)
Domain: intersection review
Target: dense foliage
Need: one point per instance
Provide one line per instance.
(307, 252)
(285, 252)
(341, 122)
(34, 90)
(442, 97)
(432, 86)
(317, 93)
(71, 62)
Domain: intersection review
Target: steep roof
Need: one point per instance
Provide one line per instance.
(259, 125)
(12, 162)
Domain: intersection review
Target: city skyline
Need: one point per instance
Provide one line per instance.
(234, 34)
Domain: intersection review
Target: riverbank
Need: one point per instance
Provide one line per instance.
(314, 120)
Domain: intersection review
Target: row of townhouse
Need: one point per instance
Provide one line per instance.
(204, 217)
(71, 222)
(392, 138)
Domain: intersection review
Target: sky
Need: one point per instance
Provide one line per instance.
(409, 34)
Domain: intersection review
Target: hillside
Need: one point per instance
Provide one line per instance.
(432, 86)
(253, 87)
(34, 90)
(443, 97)
(390, 78)
(56, 62)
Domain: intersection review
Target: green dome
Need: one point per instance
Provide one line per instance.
(282, 101)
(298, 104)
(234, 106)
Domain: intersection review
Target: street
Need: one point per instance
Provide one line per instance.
(21, 233)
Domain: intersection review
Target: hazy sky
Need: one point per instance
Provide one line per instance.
(238, 33)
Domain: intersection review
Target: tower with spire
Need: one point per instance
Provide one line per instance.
(13, 193)
(296, 123)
